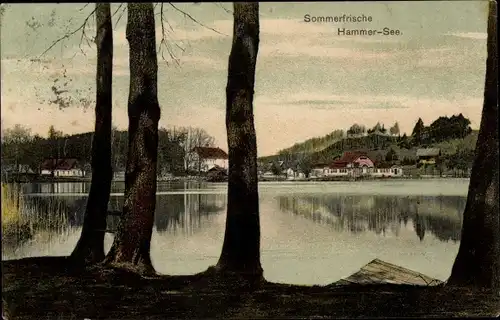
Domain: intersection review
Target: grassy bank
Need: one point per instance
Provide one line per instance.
(15, 225)
(21, 221)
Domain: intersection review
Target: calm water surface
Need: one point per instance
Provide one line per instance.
(312, 233)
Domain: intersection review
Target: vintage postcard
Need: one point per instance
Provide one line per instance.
(242, 160)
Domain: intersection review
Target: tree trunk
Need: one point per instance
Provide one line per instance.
(90, 247)
(478, 261)
(132, 242)
(241, 248)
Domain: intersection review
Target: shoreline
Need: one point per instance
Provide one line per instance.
(204, 179)
(41, 287)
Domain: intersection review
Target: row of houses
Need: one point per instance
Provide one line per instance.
(63, 168)
(355, 164)
(204, 159)
(209, 160)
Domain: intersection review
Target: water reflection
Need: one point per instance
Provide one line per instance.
(185, 213)
(116, 187)
(439, 215)
(312, 233)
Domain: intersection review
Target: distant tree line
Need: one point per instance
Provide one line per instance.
(21, 149)
(357, 129)
(443, 128)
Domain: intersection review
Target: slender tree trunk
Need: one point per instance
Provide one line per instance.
(241, 248)
(478, 260)
(132, 242)
(90, 247)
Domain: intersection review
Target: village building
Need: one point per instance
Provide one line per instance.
(319, 170)
(206, 158)
(353, 164)
(217, 174)
(62, 168)
(294, 173)
(428, 156)
(387, 170)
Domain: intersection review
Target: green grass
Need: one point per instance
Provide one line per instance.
(21, 221)
(12, 206)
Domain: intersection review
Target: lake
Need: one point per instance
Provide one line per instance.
(312, 232)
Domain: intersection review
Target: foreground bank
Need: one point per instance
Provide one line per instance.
(46, 287)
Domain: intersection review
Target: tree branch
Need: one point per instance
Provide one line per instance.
(67, 35)
(164, 32)
(223, 8)
(121, 14)
(194, 20)
(163, 41)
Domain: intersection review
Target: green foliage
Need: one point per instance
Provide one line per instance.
(356, 129)
(442, 129)
(404, 142)
(378, 127)
(417, 132)
(391, 155)
(20, 147)
(394, 130)
(305, 165)
(334, 151)
(314, 144)
(276, 168)
(408, 162)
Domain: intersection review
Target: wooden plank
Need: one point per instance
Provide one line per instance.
(378, 271)
(386, 271)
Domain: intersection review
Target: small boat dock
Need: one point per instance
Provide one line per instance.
(381, 272)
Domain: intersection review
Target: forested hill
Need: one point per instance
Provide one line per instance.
(325, 149)
(371, 142)
(314, 144)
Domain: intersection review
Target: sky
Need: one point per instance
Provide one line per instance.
(309, 80)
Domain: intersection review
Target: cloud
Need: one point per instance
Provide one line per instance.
(324, 101)
(336, 104)
(469, 35)
(310, 48)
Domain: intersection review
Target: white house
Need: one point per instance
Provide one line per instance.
(350, 164)
(319, 170)
(292, 174)
(206, 158)
(387, 170)
(62, 168)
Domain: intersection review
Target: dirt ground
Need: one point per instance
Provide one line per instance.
(45, 288)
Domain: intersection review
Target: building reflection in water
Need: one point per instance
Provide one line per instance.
(184, 213)
(441, 216)
(57, 187)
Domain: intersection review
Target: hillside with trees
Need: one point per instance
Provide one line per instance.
(314, 144)
(453, 135)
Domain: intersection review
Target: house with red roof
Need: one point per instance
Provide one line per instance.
(206, 158)
(66, 167)
(352, 163)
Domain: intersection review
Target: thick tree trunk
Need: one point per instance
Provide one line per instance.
(132, 242)
(241, 248)
(90, 247)
(478, 260)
